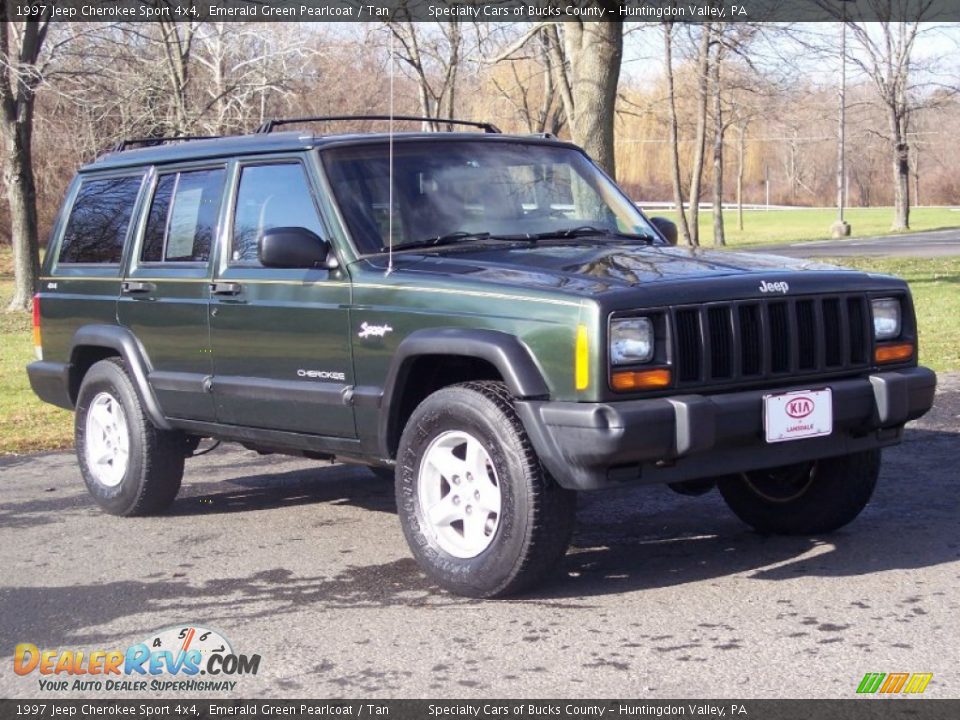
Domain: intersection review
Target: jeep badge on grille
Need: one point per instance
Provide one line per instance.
(780, 287)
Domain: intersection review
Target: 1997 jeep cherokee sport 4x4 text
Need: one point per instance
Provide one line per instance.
(523, 334)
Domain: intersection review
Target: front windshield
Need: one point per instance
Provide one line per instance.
(453, 188)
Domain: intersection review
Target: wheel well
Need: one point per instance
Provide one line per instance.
(83, 358)
(424, 375)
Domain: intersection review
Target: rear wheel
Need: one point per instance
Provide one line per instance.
(806, 498)
(130, 467)
(481, 516)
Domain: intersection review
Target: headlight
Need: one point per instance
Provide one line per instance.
(886, 318)
(631, 341)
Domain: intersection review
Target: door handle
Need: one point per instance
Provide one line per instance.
(225, 288)
(133, 287)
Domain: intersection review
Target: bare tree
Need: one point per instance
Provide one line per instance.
(242, 66)
(585, 59)
(530, 89)
(674, 133)
(22, 72)
(176, 41)
(433, 53)
(703, 90)
(593, 54)
(719, 130)
(887, 57)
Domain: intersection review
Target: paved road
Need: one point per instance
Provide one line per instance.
(660, 595)
(936, 243)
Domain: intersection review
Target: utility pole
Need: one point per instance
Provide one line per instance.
(841, 228)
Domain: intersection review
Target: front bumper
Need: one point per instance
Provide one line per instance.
(588, 446)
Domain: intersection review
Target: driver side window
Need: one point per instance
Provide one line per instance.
(270, 196)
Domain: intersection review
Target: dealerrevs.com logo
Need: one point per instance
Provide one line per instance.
(186, 658)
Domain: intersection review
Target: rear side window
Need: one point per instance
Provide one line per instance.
(183, 217)
(99, 219)
(270, 196)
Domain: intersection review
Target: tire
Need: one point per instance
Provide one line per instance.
(805, 499)
(522, 520)
(146, 478)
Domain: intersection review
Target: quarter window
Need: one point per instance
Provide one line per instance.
(270, 196)
(183, 217)
(99, 219)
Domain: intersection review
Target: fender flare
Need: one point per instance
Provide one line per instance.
(505, 352)
(125, 343)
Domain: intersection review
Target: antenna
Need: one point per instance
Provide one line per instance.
(390, 161)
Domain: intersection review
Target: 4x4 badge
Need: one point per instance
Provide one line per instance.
(367, 330)
(780, 287)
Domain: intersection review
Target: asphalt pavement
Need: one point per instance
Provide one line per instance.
(935, 243)
(660, 596)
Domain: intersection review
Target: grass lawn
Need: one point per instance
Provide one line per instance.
(26, 424)
(761, 227)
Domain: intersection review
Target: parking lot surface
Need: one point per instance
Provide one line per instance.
(660, 595)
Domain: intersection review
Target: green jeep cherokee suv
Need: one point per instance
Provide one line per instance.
(488, 318)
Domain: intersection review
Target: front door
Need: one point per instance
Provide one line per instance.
(280, 337)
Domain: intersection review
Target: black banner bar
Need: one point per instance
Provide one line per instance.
(484, 10)
(853, 709)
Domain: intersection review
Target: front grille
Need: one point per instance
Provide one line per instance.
(718, 343)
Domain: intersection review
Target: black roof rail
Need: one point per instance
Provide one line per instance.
(269, 125)
(151, 142)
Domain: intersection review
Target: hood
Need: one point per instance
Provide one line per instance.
(592, 268)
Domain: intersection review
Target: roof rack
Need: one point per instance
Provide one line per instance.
(151, 142)
(269, 125)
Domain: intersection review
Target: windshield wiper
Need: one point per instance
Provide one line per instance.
(584, 230)
(447, 239)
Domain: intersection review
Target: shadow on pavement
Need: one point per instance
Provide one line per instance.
(337, 485)
(627, 540)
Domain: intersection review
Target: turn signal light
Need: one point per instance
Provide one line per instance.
(640, 380)
(582, 359)
(893, 353)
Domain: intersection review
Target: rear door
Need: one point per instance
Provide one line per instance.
(280, 337)
(166, 289)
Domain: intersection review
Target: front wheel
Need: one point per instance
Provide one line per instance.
(479, 513)
(803, 499)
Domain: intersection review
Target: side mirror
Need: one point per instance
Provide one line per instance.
(293, 247)
(666, 227)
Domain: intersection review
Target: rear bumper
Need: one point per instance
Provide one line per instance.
(51, 382)
(588, 446)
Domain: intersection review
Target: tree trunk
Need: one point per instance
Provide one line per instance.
(696, 178)
(740, 153)
(22, 198)
(901, 173)
(674, 134)
(718, 132)
(594, 51)
(16, 130)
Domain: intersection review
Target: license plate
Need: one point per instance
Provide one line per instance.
(797, 415)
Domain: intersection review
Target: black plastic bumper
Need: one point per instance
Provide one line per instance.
(587, 446)
(51, 382)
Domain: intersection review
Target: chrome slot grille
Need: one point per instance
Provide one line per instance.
(758, 339)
